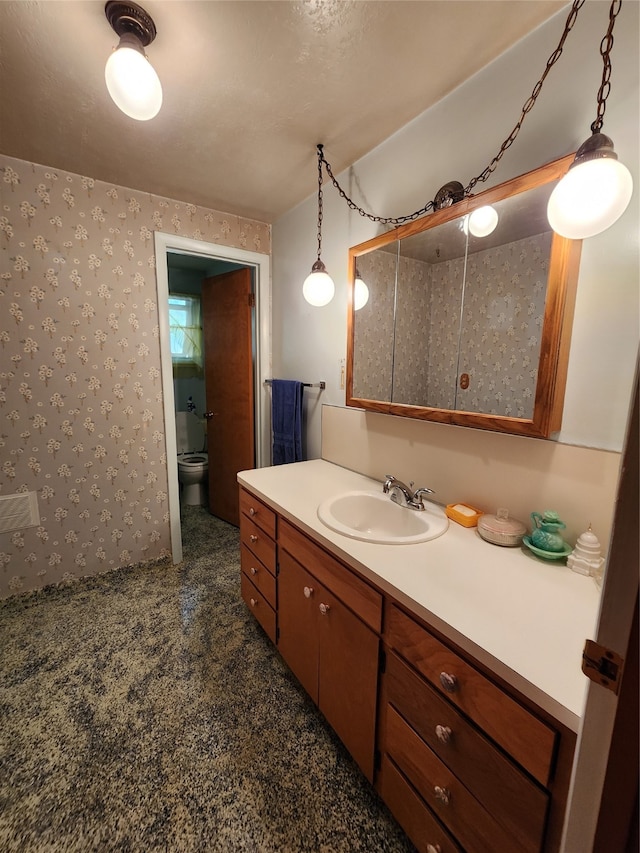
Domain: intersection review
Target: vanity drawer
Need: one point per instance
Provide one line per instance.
(409, 810)
(516, 802)
(473, 826)
(359, 597)
(258, 542)
(258, 574)
(259, 606)
(526, 738)
(258, 512)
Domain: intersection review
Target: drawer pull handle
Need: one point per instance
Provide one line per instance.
(442, 794)
(252, 511)
(434, 848)
(449, 682)
(308, 591)
(254, 538)
(253, 570)
(443, 733)
(324, 609)
(254, 602)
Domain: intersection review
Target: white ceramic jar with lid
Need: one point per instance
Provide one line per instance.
(499, 529)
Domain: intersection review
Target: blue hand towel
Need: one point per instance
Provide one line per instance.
(286, 420)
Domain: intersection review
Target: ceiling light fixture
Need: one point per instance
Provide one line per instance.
(131, 79)
(606, 197)
(597, 189)
(318, 287)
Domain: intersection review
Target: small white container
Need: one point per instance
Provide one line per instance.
(586, 558)
(499, 529)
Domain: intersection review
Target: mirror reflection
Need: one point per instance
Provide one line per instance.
(504, 295)
(374, 324)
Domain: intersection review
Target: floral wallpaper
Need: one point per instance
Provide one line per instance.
(412, 364)
(504, 298)
(373, 327)
(81, 418)
(497, 345)
(443, 330)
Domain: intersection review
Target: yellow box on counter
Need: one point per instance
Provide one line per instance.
(463, 514)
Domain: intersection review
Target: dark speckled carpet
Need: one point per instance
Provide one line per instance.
(145, 710)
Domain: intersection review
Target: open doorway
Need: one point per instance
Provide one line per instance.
(173, 251)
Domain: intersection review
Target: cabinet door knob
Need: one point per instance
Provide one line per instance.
(434, 848)
(254, 538)
(442, 794)
(443, 733)
(253, 570)
(449, 682)
(252, 511)
(254, 602)
(308, 591)
(324, 609)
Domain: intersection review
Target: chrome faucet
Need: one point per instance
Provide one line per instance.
(403, 494)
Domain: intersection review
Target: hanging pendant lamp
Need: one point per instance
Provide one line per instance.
(318, 288)
(597, 189)
(593, 194)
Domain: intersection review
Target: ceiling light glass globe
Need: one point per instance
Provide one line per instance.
(133, 83)
(483, 221)
(318, 289)
(360, 294)
(590, 198)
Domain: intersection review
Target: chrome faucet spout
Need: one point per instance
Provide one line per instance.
(403, 494)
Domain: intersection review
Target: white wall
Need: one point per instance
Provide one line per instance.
(454, 140)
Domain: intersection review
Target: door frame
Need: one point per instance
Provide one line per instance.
(614, 631)
(261, 265)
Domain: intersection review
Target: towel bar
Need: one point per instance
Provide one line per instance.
(320, 385)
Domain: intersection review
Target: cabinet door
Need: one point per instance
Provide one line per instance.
(298, 622)
(348, 678)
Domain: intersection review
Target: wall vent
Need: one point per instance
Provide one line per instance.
(18, 511)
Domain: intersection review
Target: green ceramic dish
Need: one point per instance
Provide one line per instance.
(547, 555)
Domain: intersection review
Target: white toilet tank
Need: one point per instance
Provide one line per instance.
(189, 433)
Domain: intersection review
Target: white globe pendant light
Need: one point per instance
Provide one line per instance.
(593, 194)
(318, 287)
(131, 80)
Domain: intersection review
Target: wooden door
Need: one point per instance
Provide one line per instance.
(227, 306)
(348, 678)
(298, 598)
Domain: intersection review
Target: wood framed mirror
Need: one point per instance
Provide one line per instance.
(466, 323)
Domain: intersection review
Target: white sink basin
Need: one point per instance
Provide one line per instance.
(374, 517)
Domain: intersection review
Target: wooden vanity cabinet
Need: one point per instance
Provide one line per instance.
(258, 560)
(325, 640)
(463, 761)
(491, 772)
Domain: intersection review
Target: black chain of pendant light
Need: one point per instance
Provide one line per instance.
(454, 191)
(320, 160)
(605, 51)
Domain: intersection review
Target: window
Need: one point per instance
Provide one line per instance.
(185, 330)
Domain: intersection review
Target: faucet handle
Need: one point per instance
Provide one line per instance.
(420, 493)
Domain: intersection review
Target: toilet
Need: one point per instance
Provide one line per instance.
(193, 462)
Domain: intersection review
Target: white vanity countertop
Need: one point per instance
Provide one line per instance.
(525, 618)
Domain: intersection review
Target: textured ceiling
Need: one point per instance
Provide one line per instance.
(249, 88)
